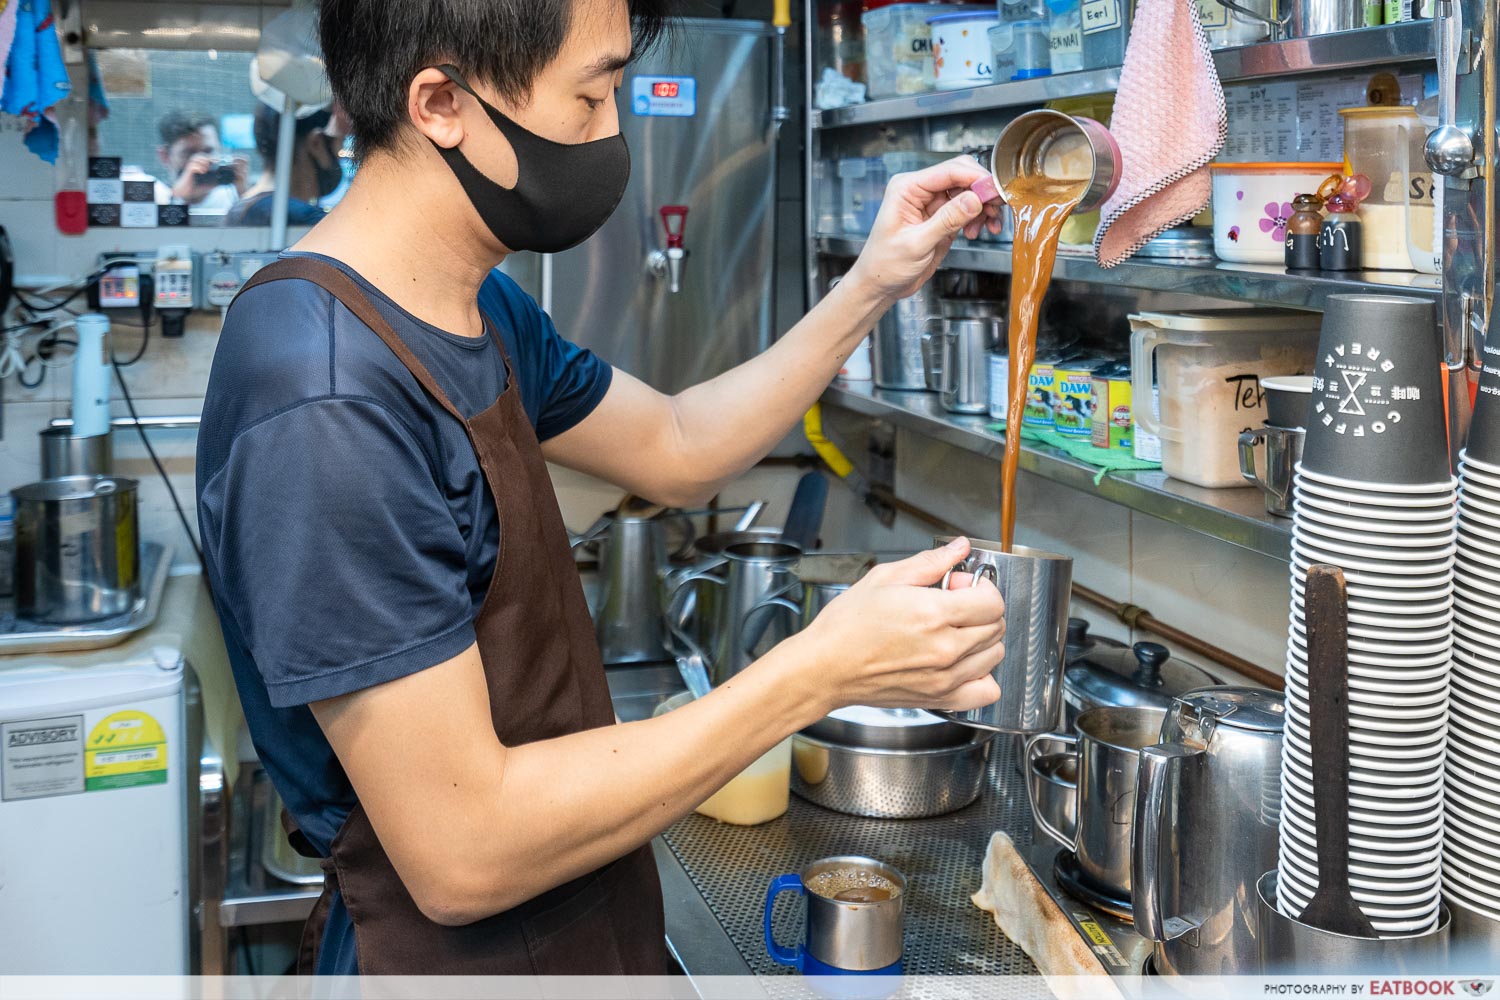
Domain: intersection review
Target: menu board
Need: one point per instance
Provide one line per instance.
(1296, 120)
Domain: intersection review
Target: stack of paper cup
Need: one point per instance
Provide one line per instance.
(1375, 497)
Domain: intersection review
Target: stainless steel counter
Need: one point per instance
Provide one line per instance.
(714, 875)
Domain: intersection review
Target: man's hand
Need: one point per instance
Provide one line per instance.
(189, 187)
(241, 174)
(894, 640)
(921, 215)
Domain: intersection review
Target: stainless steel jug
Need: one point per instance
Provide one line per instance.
(77, 553)
(755, 571)
(1037, 587)
(1107, 749)
(633, 559)
(956, 353)
(898, 341)
(1206, 828)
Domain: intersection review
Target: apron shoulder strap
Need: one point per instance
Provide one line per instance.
(342, 287)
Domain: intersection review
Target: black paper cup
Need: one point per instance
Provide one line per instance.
(1376, 412)
(1484, 428)
(1287, 399)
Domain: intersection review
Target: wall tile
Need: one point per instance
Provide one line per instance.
(20, 455)
(177, 450)
(1226, 595)
(1095, 532)
(32, 229)
(955, 485)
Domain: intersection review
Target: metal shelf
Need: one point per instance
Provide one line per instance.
(1393, 44)
(1262, 284)
(1237, 516)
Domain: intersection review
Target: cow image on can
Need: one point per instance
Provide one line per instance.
(1073, 397)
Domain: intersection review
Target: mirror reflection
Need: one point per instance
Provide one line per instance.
(192, 123)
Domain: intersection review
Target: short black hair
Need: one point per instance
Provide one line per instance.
(373, 48)
(267, 124)
(176, 125)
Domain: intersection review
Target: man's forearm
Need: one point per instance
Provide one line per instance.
(566, 806)
(729, 423)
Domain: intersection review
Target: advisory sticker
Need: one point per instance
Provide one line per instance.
(40, 758)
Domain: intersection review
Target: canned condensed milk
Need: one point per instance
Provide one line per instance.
(1041, 390)
(1073, 397)
(1112, 424)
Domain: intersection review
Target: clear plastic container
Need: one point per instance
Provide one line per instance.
(1424, 206)
(828, 216)
(898, 48)
(1208, 366)
(1225, 27)
(1106, 29)
(861, 186)
(1033, 49)
(1381, 143)
(759, 793)
(1065, 35)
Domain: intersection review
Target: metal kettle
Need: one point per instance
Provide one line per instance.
(633, 561)
(1207, 811)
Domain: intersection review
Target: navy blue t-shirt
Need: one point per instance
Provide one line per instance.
(348, 534)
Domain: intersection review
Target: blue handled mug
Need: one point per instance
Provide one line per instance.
(853, 928)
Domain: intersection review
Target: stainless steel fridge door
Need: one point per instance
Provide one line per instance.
(719, 162)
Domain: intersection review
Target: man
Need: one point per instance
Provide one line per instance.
(405, 622)
(189, 151)
(316, 169)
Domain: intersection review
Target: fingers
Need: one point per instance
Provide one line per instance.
(950, 175)
(952, 218)
(925, 568)
(980, 604)
(972, 694)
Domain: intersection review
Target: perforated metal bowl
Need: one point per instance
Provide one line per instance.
(889, 784)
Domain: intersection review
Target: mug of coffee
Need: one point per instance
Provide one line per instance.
(855, 909)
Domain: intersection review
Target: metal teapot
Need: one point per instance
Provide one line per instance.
(1207, 812)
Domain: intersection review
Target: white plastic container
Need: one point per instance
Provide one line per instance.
(860, 367)
(961, 48)
(1225, 27)
(1252, 203)
(898, 48)
(1208, 369)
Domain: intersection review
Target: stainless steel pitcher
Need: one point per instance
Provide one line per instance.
(1207, 812)
(633, 559)
(956, 353)
(755, 571)
(898, 340)
(1037, 587)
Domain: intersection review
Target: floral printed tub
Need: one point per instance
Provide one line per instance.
(1252, 203)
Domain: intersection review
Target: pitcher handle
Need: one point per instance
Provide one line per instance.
(779, 954)
(932, 356)
(982, 571)
(1248, 440)
(758, 618)
(1160, 771)
(1068, 739)
(679, 593)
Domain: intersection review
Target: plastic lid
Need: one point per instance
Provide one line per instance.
(1216, 320)
(1030, 74)
(965, 15)
(1255, 709)
(1378, 110)
(74, 488)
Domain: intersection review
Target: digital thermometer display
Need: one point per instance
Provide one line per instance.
(664, 96)
(664, 89)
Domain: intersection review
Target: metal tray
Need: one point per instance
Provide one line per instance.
(18, 635)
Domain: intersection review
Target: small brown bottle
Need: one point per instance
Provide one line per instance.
(1302, 233)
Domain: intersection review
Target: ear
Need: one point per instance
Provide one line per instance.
(432, 103)
(164, 154)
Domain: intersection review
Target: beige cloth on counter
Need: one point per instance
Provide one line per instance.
(1027, 914)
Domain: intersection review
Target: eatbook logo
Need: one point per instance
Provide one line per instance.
(1477, 987)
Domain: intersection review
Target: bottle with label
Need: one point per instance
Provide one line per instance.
(1302, 231)
(1340, 238)
(1066, 35)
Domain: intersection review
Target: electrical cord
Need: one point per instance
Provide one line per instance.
(160, 469)
(140, 351)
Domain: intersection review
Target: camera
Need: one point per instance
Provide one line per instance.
(219, 174)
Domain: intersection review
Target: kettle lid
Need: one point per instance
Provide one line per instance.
(1255, 709)
(1145, 674)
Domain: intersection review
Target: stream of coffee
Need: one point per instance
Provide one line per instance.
(1041, 205)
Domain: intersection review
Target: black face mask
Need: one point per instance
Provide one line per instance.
(563, 192)
(331, 176)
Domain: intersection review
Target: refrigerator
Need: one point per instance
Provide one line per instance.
(696, 112)
(94, 818)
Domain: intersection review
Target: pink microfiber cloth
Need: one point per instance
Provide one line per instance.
(1170, 122)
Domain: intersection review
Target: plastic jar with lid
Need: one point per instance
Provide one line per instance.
(898, 47)
(1382, 143)
(1065, 35)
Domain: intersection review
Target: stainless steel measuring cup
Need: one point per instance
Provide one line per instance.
(1037, 587)
(1037, 143)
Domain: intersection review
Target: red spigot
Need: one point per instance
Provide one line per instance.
(674, 220)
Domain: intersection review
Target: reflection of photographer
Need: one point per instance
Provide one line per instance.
(189, 149)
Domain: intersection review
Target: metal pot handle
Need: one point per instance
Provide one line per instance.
(1160, 771)
(982, 571)
(1032, 752)
(1248, 440)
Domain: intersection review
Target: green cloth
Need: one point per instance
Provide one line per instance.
(1104, 459)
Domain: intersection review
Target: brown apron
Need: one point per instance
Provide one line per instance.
(545, 679)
